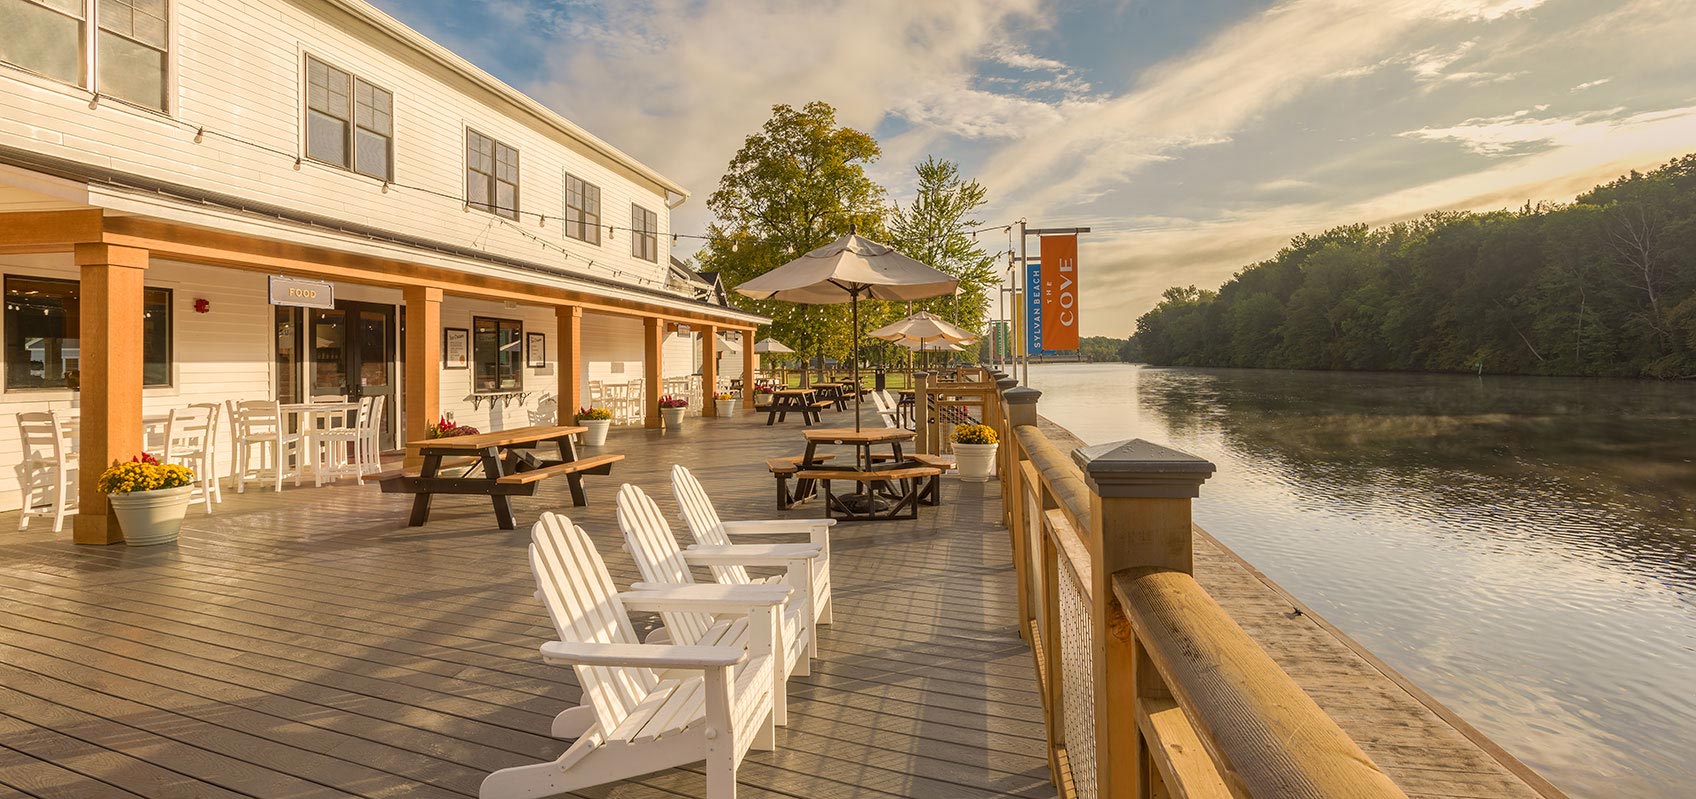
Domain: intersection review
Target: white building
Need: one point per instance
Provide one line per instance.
(164, 162)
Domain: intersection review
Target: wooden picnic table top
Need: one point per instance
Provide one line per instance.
(795, 392)
(848, 435)
(499, 438)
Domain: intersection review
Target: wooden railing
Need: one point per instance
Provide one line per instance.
(944, 401)
(1149, 688)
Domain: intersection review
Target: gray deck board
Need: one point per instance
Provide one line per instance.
(309, 644)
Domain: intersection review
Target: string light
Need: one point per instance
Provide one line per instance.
(201, 131)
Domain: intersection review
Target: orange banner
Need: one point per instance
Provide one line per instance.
(1060, 292)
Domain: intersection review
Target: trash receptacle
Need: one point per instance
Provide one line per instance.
(881, 380)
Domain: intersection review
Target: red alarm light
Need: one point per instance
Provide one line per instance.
(202, 306)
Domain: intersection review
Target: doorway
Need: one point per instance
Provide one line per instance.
(346, 351)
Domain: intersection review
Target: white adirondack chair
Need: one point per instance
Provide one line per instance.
(633, 720)
(663, 564)
(886, 409)
(711, 532)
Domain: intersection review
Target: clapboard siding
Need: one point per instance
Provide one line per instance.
(224, 354)
(542, 384)
(239, 71)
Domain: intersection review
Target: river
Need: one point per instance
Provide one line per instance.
(1522, 548)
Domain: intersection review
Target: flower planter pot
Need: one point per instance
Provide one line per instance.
(725, 408)
(597, 435)
(975, 461)
(673, 418)
(151, 517)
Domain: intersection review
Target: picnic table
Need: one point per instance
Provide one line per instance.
(804, 401)
(887, 485)
(861, 440)
(837, 393)
(501, 465)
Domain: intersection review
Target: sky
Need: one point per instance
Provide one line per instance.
(1194, 137)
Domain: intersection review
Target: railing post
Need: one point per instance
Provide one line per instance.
(1005, 460)
(1139, 518)
(921, 414)
(1021, 410)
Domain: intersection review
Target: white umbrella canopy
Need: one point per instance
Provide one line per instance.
(850, 267)
(847, 269)
(924, 326)
(770, 345)
(728, 345)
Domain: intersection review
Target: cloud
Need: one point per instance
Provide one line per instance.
(1515, 133)
(1592, 84)
(1206, 96)
(1485, 10)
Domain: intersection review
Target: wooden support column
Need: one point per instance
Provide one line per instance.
(423, 363)
(653, 343)
(1139, 518)
(569, 318)
(748, 361)
(110, 395)
(709, 369)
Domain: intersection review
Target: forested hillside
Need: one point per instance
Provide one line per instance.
(1605, 285)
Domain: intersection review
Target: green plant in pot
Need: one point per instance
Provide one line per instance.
(598, 421)
(148, 497)
(974, 451)
(671, 410)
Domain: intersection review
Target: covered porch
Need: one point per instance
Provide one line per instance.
(117, 320)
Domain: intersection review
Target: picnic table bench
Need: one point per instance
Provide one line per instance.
(498, 465)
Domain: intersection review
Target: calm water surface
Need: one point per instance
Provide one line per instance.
(1522, 548)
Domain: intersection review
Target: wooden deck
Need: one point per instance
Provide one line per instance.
(309, 644)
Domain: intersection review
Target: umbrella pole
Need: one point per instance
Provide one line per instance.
(854, 303)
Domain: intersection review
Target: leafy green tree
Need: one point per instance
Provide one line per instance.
(932, 228)
(794, 186)
(1602, 286)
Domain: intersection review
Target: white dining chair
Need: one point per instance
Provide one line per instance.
(350, 450)
(48, 473)
(261, 428)
(191, 439)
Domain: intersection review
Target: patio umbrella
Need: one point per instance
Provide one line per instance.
(847, 269)
(923, 327)
(772, 345)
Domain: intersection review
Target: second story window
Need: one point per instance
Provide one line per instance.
(491, 175)
(349, 121)
(645, 234)
(582, 210)
(131, 51)
(131, 43)
(44, 37)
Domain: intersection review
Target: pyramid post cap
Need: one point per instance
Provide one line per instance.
(1138, 468)
(1022, 395)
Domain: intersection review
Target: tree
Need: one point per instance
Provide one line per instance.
(794, 186)
(1603, 286)
(932, 228)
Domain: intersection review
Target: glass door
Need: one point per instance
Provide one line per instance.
(371, 361)
(352, 351)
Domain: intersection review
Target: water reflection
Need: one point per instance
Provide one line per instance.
(1523, 548)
